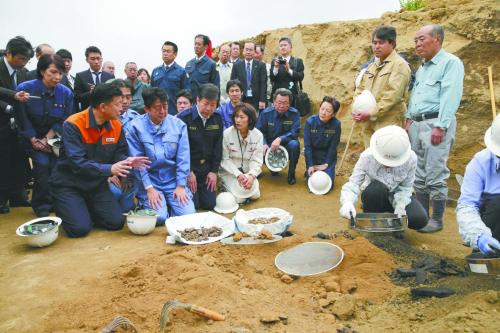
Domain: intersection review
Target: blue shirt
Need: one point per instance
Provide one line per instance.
(226, 111)
(321, 141)
(37, 116)
(126, 118)
(171, 79)
(273, 125)
(200, 72)
(481, 179)
(166, 146)
(438, 88)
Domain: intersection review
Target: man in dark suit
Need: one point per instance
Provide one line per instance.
(13, 166)
(39, 51)
(67, 79)
(286, 71)
(253, 76)
(86, 81)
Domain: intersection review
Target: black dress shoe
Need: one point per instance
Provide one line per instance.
(291, 179)
(4, 209)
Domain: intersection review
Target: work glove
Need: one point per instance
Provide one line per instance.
(487, 244)
(400, 211)
(347, 209)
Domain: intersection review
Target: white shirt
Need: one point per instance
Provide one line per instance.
(94, 76)
(225, 75)
(71, 80)
(202, 118)
(399, 180)
(290, 71)
(251, 153)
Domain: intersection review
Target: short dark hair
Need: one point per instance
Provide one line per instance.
(251, 42)
(104, 93)
(285, 39)
(204, 37)
(92, 49)
(65, 54)
(209, 92)
(19, 45)
(120, 83)
(283, 92)
(130, 63)
(334, 103)
(261, 47)
(46, 60)
(437, 30)
(150, 95)
(139, 72)
(249, 111)
(234, 82)
(236, 43)
(385, 32)
(38, 50)
(184, 93)
(174, 46)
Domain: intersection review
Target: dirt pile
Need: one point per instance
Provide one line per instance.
(240, 282)
(333, 52)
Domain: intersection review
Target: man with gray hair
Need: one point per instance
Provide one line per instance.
(430, 119)
(224, 67)
(137, 85)
(108, 67)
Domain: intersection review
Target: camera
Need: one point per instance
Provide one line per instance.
(282, 61)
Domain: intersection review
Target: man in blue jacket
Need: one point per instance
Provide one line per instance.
(201, 69)
(280, 125)
(169, 76)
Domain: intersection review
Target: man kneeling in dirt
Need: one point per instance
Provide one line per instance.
(478, 208)
(94, 149)
(384, 174)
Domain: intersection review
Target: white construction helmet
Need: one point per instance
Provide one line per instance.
(225, 203)
(364, 102)
(241, 193)
(492, 137)
(390, 146)
(319, 183)
(276, 160)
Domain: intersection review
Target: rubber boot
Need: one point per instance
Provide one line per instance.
(423, 198)
(436, 222)
(291, 176)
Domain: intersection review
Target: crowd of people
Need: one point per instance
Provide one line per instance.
(171, 141)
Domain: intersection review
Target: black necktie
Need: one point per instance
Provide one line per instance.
(14, 81)
(97, 80)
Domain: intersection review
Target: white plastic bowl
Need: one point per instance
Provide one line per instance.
(43, 239)
(141, 224)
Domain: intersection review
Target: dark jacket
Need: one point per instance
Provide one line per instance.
(283, 79)
(83, 81)
(258, 78)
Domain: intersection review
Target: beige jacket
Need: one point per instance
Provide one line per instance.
(388, 82)
(252, 147)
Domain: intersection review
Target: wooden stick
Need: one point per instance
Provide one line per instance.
(492, 92)
(346, 147)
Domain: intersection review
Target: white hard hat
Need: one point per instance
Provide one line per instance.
(390, 146)
(276, 160)
(492, 137)
(319, 183)
(225, 203)
(46, 234)
(141, 222)
(240, 192)
(364, 102)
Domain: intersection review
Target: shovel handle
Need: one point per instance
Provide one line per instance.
(353, 221)
(206, 313)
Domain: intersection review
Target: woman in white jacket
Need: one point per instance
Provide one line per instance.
(242, 155)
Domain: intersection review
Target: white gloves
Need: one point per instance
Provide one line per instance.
(347, 209)
(400, 211)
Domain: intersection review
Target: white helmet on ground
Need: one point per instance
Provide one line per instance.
(390, 146)
(225, 203)
(492, 137)
(319, 183)
(241, 193)
(364, 102)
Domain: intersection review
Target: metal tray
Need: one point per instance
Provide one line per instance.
(379, 222)
(481, 264)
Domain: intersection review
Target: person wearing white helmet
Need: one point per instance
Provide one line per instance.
(478, 208)
(387, 78)
(242, 155)
(384, 174)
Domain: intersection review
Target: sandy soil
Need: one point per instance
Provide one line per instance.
(79, 285)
